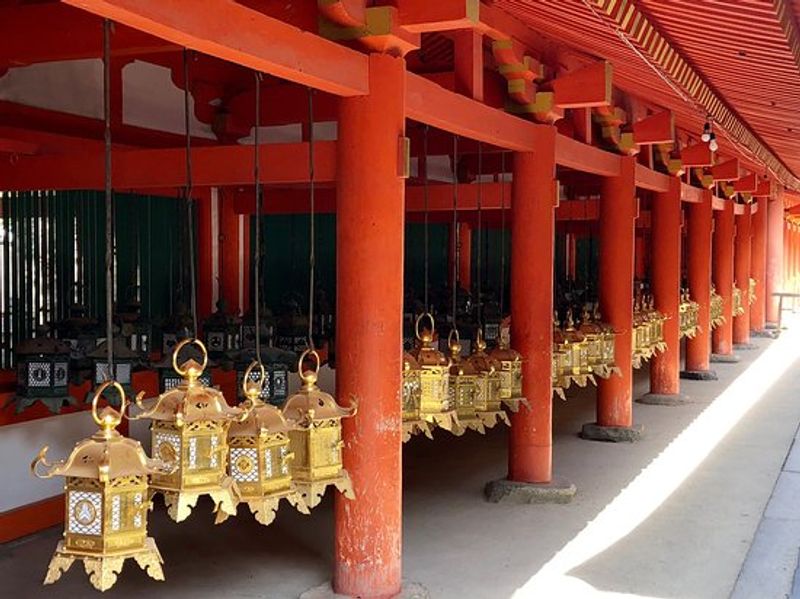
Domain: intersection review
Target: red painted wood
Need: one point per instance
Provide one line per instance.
(758, 311)
(724, 232)
(742, 258)
(530, 449)
(775, 256)
(699, 224)
(369, 297)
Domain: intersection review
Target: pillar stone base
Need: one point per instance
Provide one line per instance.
(409, 590)
(744, 346)
(772, 326)
(557, 490)
(592, 431)
(699, 375)
(765, 333)
(663, 399)
(725, 358)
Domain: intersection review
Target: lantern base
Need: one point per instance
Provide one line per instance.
(560, 392)
(725, 358)
(611, 434)
(54, 404)
(311, 492)
(409, 590)
(472, 423)
(490, 418)
(446, 420)
(583, 379)
(699, 375)
(103, 570)
(556, 491)
(415, 427)
(605, 371)
(265, 508)
(180, 503)
(663, 399)
(513, 403)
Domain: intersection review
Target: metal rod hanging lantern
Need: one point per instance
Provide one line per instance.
(259, 456)
(316, 441)
(488, 400)
(717, 308)
(189, 425)
(510, 362)
(463, 387)
(43, 374)
(412, 399)
(106, 500)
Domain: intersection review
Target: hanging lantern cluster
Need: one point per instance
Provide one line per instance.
(738, 303)
(648, 331)
(189, 426)
(135, 329)
(601, 343)
(688, 312)
(717, 308)
(106, 497)
(43, 369)
(510, 362)
(751, 291)
(276, 363)
(221, 332)
(571, 352)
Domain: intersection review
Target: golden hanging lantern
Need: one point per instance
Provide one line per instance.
(600, 342)
(259, 457)
(738, 304)
(574, 343)
(510, 371)
(751, 291)
(488, 402)
(190, 426)
(717, 308)
(412, 397)
(656, 320)
(316, 440)
(562, 359)
(642, 349)
(106, 496)
(463, 388)
(556, 372)
(689, 313)
(435, 406)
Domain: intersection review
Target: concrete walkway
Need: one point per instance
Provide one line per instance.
(671, 516)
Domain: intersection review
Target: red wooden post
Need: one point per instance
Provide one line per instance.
(722, 337)
(775, 256)
(759, 266)
(698, 254)
(741, 324)
(369, 254)
(618, 209)
(532, 234)
(666, 284)
(465, 256)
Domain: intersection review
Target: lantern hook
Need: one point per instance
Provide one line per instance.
(192, 373)
(419, 319)
(110, 419)
(309, 378)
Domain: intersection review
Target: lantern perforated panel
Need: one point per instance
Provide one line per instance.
(85, 513)
(244, 464)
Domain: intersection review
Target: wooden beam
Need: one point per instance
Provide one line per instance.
(233, 32)
(726, 171)
(468, 63)
(691, 194)
(588, 159)
(586, 87)
(655, 129)
(651, 180)
(141, 169)
(717, 203)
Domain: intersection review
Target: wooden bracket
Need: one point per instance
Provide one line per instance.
(726, 171)
(746, 184)
(655, 129)
(697, 155)
(704, 177)
(381, 32)
(543, 108)
(587, 87)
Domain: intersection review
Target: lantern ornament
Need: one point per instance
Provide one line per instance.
(190, 426)
(169, 379)
(688, 312)
(751, 291)
(463, 388)
(642, 349)
(124, 361)
(510, 362)
(656, 321)
(488, 402)
(576, 366)
(43, 374)
(258, 453)
(316, 439)
(738, 304)
(435, 406)
(717, 308)
(106, 501)
(412, 397)
(600, 342)
(562, 359)
(276, 363)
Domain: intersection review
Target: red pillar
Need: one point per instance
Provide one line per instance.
(532, 238)
(234, 256)
(666, 283)
(698, 253)
(774, 256)
(640, 253)
(741, 324)
(465, 256)
(722, 337)
(204, 244)
(618, 209)
(758, 311)
(369, 264)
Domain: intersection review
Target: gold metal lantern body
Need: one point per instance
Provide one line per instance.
(106, 497)
(316, 440)
(717, 308)
(435, 405)
(562, 360)
(574, 344)
(463, 388)
(488, 401)
(509, 372)
(411, 395)
(259, 457)
(656, 321)
(689, 312)
(190, 427)
(642, 349)
(751, 291)
(600, 344)
(738, 304)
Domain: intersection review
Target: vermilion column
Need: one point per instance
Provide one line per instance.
(618, 210)
(774, 256)
(204, 243)
(698, 265)
(370, 216)
(741, 324)
(640, 258)
(533, 200)
(666, 283)
(465, 256)
(758, 311)
(722, 337)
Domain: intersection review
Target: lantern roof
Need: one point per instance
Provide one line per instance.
(310, 403)
(42, 345)
(121, 351)
(410, 362)
(479, 359)
(458, 366)
(263, 418)
(189, 402)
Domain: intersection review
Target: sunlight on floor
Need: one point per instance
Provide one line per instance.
(653, 486)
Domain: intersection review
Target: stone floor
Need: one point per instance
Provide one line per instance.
(673, 515)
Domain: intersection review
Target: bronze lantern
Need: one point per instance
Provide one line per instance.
(510, 362)
(688, 311)
(435, 406)
(751, 291)
(411, 398)
(562, 359)
(316, 439)
(106, 497)
(488, 401)
(259, 457)
(642, 349)
(190, 427)
(717, 308)
(738, 304)
(43, 374)
(463, 387)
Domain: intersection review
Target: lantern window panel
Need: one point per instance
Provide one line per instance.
(244, 464)
(85, 509)
(39, 374)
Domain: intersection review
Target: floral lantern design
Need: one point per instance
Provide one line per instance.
(738, 304)
(43, 374)
(259, 457)
(106, 496)
(190, 427)
(316, 439)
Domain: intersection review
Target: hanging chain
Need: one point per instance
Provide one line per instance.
(188, 193)
(479, 278)
(109, 198)
(312, 186)
(257, 241)
(502, 233)
(455, 226)
(426, 226)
